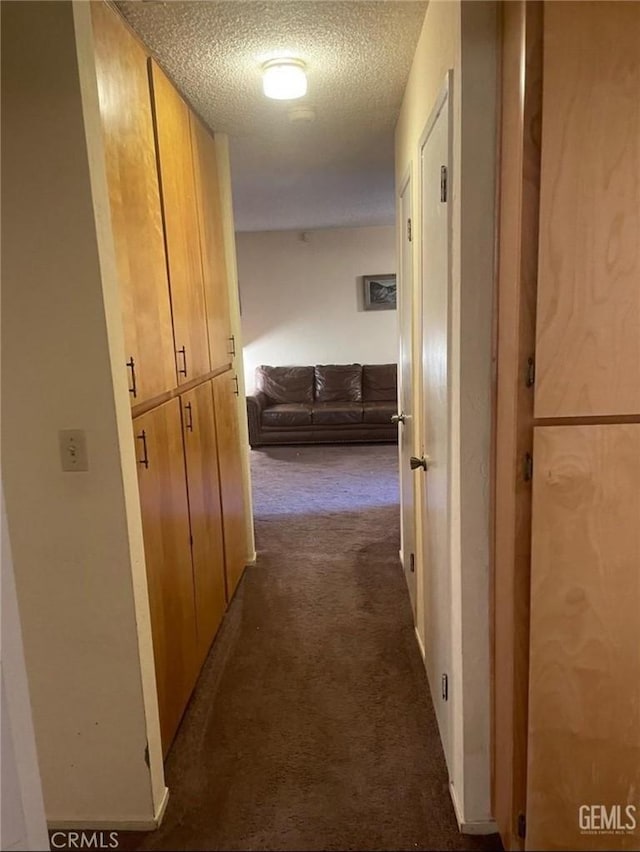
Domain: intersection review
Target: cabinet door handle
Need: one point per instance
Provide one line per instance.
(132, 366)
(237, 389)
(232, 340)
(189, 423)
(183, 352)
(145, 458)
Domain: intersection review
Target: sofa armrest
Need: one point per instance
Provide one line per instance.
(256, 404)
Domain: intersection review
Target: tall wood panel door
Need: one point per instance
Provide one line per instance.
(134, 195)
(205, 510)
(225, 389)
(214, 265)
(584, 707)
(588, 331)
(165, 526)
(173, 135)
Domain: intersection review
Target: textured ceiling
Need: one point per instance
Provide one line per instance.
(334, 171)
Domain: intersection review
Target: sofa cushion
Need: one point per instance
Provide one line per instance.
(287, 414)
(286, 384)
(338, 382)
(336, 413)
(379, 382)
(378, 412)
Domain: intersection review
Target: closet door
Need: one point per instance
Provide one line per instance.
(588, 331)
(173, 137)
(214, 267)
(584, 710)
(225, 389)
(125, 108)
(165, 525)
(205, 511)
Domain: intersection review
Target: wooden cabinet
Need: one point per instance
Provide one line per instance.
(588, 331)
(577, 634)
(166, 209)
(205, 510)
(214, 267)
(130, 154)
(584, 713)
(173, 137)
(165, 525)
(225, 389)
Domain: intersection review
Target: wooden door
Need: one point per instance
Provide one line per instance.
(225, 389)
(405, 390)
(205, 510)
(173, 137)
(130, 154)
(214, 265)
(435, 437)
(516, 303)
(584, 711)
(588, 332)
(165, 526)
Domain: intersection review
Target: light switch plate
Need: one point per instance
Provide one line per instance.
(73, 450)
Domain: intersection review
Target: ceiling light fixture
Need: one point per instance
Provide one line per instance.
(284, 79)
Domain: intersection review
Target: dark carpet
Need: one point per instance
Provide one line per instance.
(311, 726)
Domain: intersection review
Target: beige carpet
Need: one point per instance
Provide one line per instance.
(311, 727)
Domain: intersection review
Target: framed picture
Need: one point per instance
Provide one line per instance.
(379, 292)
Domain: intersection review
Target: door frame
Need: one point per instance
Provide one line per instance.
(514, 344)
(405, 306)
(443, 101)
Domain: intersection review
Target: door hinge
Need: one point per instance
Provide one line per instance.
(409, 236)
(528, 467)
(531, 372)
(445, 687)
(443, 183)
(412, 563)
(522, 826)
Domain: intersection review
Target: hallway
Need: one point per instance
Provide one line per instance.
(310, 727)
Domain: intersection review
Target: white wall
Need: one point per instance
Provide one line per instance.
(461, 36)
(76, 537)
(301, 295)
(22, 821)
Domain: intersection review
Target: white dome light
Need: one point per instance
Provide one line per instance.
(284, 79)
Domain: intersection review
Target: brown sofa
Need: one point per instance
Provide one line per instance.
(326, 403)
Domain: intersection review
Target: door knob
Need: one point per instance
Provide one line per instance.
(416, 462)
(398, 418)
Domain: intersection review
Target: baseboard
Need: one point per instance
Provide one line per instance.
(115, 824)
(420, 645)
(487, 826)
(162, 808)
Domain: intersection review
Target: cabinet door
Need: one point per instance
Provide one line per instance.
(205, 511)
(214, 266)
(165, 525)
(125, 109)
(173, 135)
(588, 328)
(584, 692)
(230, 464)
